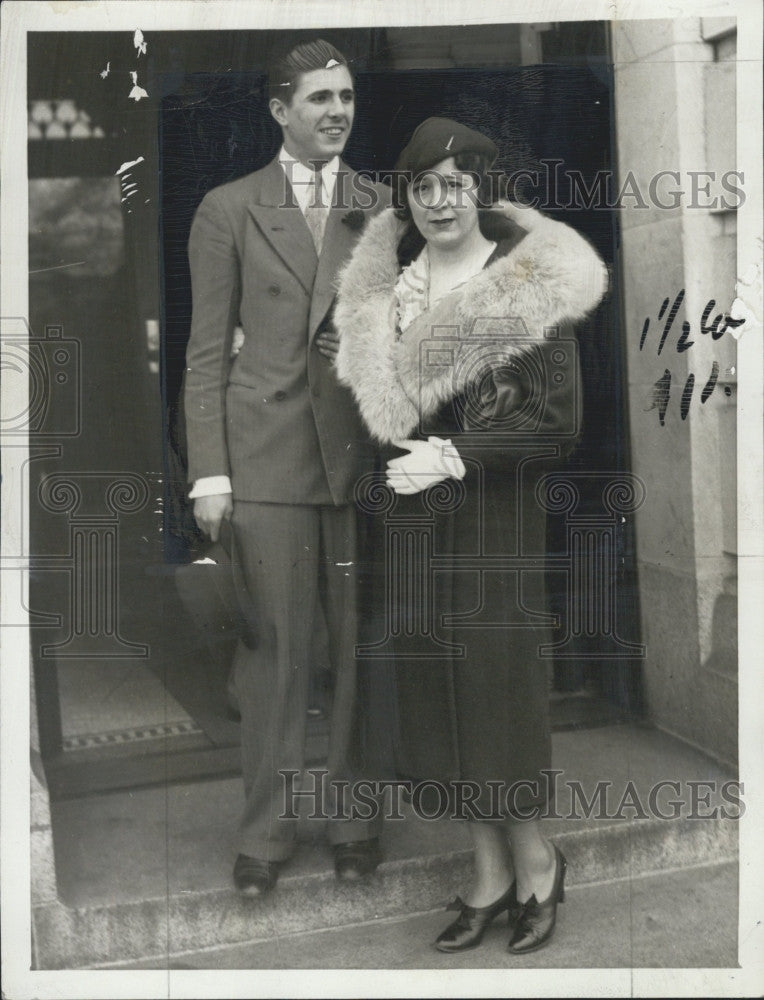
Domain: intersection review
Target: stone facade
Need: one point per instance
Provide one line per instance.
(675, 111)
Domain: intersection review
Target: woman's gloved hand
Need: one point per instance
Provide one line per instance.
(427, 463)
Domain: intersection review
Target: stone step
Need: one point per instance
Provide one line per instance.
(651, 922)
(147, 873)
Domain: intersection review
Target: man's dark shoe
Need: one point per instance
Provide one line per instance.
(253, 876)
(356, 859)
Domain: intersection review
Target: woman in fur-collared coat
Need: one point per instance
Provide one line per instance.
(455, 336)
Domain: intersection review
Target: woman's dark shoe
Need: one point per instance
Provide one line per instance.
(536, 921)
(469, 927)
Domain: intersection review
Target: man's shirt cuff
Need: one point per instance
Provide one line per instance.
(210, 486)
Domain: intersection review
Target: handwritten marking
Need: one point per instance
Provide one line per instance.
(689, 387)
(662, 393)
(645, 328)
(708, 388)
(669, 322)
(717, 327)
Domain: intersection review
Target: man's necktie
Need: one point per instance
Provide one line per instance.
(317, 211)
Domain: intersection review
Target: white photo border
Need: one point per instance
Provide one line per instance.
(19, 980)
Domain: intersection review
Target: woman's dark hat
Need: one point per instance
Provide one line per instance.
(438, 138)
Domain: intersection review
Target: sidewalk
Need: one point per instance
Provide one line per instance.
(667, 920)
(146, 874)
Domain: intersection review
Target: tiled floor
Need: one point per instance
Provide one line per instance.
(116, 698)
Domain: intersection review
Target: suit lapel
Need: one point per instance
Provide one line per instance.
(283, 225)
(337, 243)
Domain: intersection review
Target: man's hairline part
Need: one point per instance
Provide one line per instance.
(287, 95)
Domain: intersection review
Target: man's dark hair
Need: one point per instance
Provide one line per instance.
(285, 70)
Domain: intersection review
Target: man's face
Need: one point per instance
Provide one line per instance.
(317, 122)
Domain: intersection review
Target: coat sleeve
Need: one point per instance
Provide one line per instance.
(216, 297)
(524, 406)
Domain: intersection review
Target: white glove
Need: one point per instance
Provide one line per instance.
(428, 462)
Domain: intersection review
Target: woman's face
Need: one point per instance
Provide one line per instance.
(443, 204)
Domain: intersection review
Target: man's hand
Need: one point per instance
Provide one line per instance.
(328, 343)
(211, 511)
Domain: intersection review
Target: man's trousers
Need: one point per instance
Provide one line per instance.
(293, 557)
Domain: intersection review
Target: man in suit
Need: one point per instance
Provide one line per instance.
(276, 445)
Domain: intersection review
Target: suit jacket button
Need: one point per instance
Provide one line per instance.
(279, 395)
(274, 290)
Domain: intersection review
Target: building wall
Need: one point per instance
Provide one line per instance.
(675, 111)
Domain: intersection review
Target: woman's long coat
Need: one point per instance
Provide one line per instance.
(457, 614)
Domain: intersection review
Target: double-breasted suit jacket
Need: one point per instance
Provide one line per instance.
(277, 421)
(285, 432)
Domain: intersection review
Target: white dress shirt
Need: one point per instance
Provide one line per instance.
(302, 181)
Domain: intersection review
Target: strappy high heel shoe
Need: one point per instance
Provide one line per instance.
(469, 927)
(536, 922)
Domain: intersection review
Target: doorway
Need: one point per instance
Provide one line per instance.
(158, 709)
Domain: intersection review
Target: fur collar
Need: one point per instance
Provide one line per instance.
(552, 275)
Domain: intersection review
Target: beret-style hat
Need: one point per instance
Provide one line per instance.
(438, 138)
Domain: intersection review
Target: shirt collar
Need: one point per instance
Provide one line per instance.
(304, 177)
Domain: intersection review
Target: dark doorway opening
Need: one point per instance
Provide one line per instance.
(206, 123)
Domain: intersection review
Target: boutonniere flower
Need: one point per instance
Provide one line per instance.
(355, 219)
